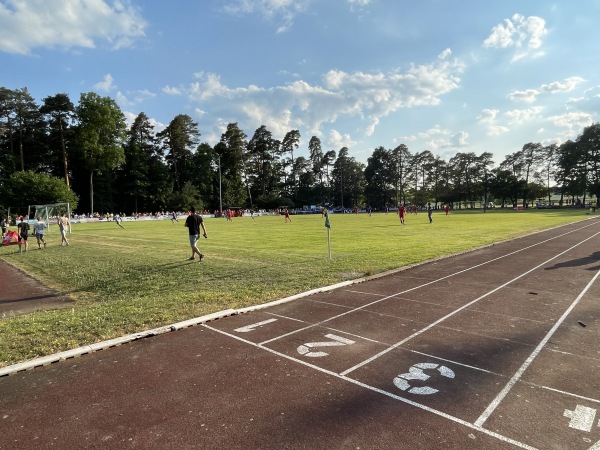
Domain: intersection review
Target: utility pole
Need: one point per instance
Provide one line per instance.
(220, 193)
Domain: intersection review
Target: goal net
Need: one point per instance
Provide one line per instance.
(50, 213)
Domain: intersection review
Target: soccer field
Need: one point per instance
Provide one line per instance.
(139, 277)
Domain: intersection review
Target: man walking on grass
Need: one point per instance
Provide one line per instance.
(23, 233)
(193, 223)
(63, 226)
(39, 227)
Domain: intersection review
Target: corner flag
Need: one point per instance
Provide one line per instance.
(327, 224)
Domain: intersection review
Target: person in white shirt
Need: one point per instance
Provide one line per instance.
(63, 226)
(39, 228)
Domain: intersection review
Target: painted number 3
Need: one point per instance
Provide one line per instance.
(416, 373)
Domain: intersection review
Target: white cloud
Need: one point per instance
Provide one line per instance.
(106, 85)
(445, 54)
(282, 12)
(590, 100)
(359, 5)
(132, 98)
(131, 116)
(531, 95)
(521, 116)
(366, 96)
(496, 125)
(437, 138)
(527, 96)
(31, 24)
(567, 85)
(593, 92)
(488, 118)
(460, 139)
(336, 140)
(497, 130)
(171, 90)
(524, 34)
(572, 121)
(122, 100)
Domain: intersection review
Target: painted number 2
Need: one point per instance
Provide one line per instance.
(336, 341)
(416, 373)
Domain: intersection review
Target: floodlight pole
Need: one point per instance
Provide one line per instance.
(220, 194)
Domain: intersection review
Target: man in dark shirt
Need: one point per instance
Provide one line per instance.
(23, 233)
(194, 222)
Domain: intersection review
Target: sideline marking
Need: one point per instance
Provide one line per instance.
(456, 311)
(379, 391)
(496, 402)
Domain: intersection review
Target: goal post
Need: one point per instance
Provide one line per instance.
(50, 210)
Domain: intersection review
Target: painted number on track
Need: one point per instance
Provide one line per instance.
(336, 341)
(249, 328)
(416, 373)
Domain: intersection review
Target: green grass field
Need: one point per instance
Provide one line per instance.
(138, 278)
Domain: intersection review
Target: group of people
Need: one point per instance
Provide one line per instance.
(39, 229)
(402, 211)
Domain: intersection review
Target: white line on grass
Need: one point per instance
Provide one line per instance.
(379, 391)
(456, 311)
(494, 404)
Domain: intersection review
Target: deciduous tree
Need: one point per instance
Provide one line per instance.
(100, 135)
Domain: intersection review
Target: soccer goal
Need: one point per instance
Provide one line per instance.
(50, 212)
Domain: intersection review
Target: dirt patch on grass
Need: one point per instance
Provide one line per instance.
(21, 294)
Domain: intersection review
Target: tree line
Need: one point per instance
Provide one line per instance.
(88, 155)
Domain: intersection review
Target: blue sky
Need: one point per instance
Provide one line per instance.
(445, 76)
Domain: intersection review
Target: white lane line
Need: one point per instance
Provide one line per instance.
(285, 317)
(456, 311)
(570, 394)
(494, 404)
(430, 283)
(456, 363)
(356, 336)
(373, 294)
(379, 391)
